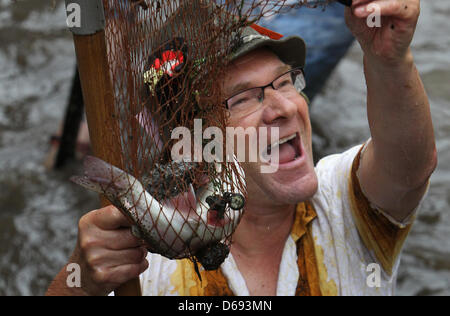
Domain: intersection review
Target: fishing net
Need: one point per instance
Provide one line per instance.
(166, 61)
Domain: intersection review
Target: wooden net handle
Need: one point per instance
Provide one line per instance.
(99, 103)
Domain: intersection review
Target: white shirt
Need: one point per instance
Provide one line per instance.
(347, 257)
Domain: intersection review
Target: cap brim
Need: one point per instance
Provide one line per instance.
(291, 50)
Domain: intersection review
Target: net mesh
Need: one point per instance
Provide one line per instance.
(166, 59)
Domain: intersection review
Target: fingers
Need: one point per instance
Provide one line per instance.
(109, 218)
(120, 239)
(115, 276)
(403, 9)
(104, 228)
(110, 269)
(108, 252)
(107, 259)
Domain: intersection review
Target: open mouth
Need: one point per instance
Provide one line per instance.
(289, 149)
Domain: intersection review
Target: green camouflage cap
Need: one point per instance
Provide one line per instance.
(173, 44)
(291, 50)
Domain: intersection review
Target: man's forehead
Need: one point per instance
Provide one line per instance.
(262, 61)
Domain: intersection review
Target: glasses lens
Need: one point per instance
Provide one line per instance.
(284, 82)
(246, 101)
(298, 78)
(291, 81)
(249, 101)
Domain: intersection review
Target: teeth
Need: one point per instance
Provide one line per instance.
(282, 141)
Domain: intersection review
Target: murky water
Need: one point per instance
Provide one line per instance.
(39, 210)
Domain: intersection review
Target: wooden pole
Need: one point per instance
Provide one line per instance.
(96, 85)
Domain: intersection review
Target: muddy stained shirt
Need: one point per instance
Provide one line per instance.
(340, 244)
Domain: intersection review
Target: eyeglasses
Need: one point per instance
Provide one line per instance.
(246, 102)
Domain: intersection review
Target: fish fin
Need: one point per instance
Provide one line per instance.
(101, 172)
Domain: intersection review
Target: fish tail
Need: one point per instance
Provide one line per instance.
(85, 182)
(102, 177)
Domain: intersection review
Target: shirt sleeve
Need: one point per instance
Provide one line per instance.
(380, 233)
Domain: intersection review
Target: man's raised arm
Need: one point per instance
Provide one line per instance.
(401, 157)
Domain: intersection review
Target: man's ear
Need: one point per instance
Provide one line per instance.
(306, 98)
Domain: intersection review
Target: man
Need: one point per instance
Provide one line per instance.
(306, 230)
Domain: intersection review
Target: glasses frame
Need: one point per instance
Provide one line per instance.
(263, 88)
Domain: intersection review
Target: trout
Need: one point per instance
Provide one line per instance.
(179, 227)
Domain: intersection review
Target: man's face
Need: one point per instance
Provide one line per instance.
(295, 180)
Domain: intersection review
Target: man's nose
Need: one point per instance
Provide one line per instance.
(277, 106)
